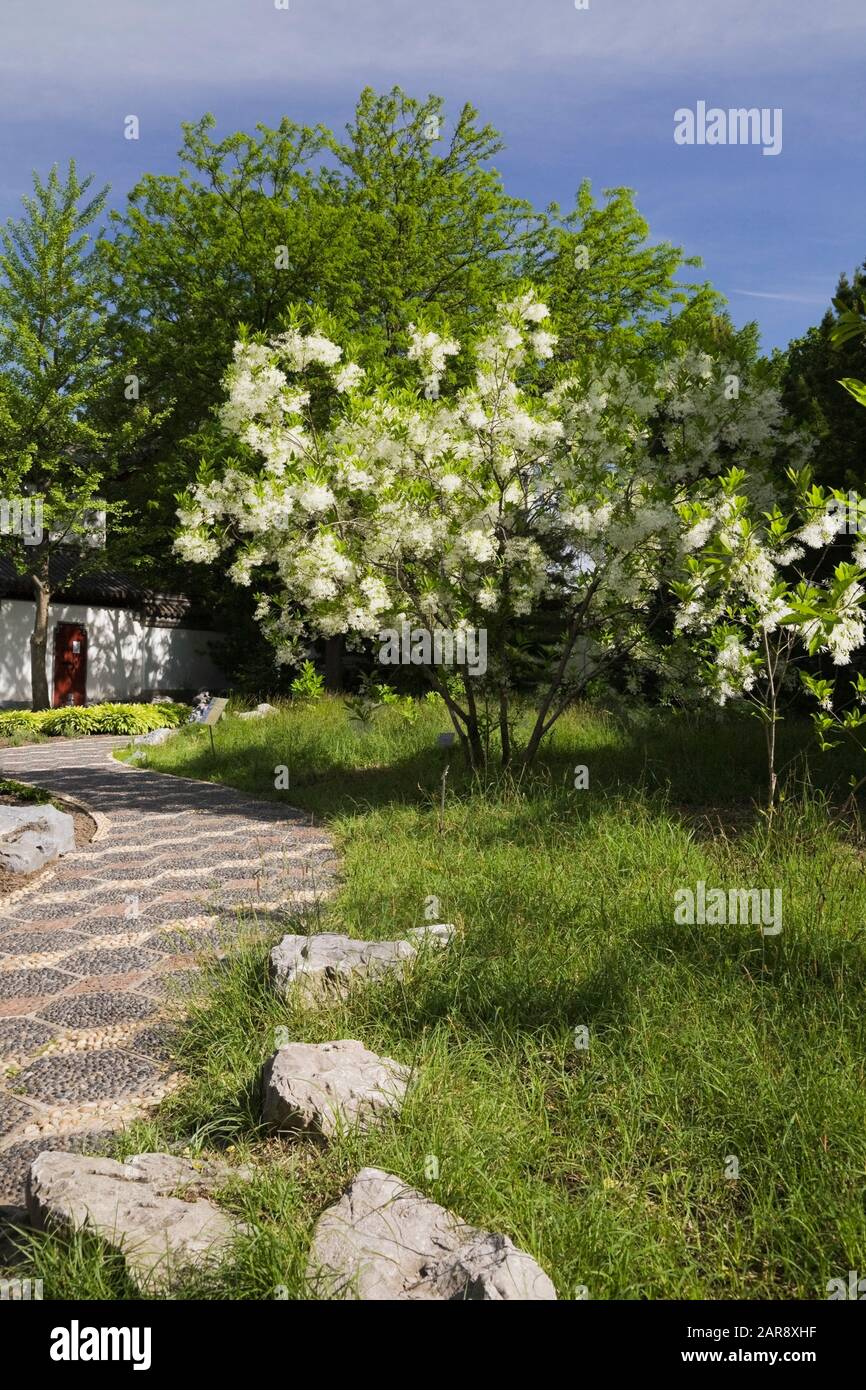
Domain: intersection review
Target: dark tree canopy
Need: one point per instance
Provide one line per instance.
(814, 366)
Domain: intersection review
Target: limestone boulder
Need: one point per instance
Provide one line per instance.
(155, 737)
(328, 962)
(32, 836)
(330, 1088)
(259, 712)
(385, 1240)
(151, 1208)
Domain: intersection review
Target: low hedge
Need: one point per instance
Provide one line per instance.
(77, 720)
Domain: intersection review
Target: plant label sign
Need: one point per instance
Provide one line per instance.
(215, 711)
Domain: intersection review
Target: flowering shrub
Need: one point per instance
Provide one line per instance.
(366, 506)
(761, 596)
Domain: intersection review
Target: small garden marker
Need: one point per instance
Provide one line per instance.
(215, 712)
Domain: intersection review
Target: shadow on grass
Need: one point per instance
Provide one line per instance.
(714, 770)
(498, 1002)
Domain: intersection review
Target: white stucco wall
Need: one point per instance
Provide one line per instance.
(125, 659)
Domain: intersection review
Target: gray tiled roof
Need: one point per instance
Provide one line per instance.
(104, 589)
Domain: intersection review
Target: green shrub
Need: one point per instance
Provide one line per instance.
(18, 721)
(405, 705)
(309, 685)
(74, 721)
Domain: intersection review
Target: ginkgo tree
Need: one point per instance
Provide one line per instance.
(361, 505)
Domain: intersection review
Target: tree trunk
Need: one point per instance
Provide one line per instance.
(504, 731)
(334, 663)
(541, 725)
(474, 746)
(770, 728)
(39, 579)
(465, 721)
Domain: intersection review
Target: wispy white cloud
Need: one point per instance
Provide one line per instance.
(575, 92)
(785, 297)
(126, 44)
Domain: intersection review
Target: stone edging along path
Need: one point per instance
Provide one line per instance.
(90, 951)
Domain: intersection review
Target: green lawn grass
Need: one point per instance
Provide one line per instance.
(608, 1163)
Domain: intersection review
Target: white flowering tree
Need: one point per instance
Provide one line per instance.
(364, 506)
(762, 598)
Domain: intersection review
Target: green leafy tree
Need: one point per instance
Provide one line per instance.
(54, 356)
(402, 216)
(433, 230)
(610, 288)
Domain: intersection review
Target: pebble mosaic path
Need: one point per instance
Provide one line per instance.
(91, 952)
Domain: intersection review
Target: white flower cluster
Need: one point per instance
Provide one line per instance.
(299, 350)
(822, 530)
(735, 670)
(430, 351)
(843, 632)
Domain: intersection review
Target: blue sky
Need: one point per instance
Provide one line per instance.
(576, 93)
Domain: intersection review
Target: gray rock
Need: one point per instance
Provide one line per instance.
(134, 1207)
(431, 934)
(259, 712)
(328, 962)
(155, 737)
(33, 835)
(168, 1172)
(330, 1088)
(384, 1240)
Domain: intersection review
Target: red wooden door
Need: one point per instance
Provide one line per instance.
(70, 664)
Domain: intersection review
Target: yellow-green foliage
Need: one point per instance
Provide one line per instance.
(76, 720)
